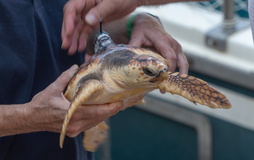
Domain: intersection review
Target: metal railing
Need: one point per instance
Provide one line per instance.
(217, 37)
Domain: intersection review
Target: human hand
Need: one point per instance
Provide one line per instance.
(148, 32)
(110, 10)
(74, 28)
(49, 108)
(82, 16)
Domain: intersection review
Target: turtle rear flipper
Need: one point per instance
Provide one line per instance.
(84, 92)
(95, 136)
(195, 90)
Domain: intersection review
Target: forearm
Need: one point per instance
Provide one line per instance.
(14, 119)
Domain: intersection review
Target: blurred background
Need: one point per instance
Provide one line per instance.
(216, 38)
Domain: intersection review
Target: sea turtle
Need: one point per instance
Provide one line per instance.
(122, 73)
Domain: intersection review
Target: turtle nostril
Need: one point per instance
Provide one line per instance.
(149, 72)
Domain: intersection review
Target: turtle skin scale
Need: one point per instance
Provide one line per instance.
(122, 73)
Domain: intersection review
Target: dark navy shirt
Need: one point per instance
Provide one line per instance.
(30, 59)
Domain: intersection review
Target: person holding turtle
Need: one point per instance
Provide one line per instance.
(34, 72)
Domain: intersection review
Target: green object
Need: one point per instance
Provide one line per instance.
(129, 25)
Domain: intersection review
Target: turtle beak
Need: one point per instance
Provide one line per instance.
(160, 77)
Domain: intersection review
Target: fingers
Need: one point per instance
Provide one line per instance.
(167, 52)
(89, 116)
(97, 111)
(109, 10)
(183, 64)
(69, 20)
(136, 40)
(83, 38)
(149, 33)
(67, 30)
(175, 57)
(93, 16)
(77, 41)
(81, 126)
(74, 30)
(163, 46)
(74, 42)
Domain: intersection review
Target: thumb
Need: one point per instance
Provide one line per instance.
(62, 81)
(93, 16)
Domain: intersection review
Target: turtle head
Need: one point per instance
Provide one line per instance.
(102, 41)
(146, 71)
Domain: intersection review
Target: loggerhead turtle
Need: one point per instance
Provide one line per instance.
(122, 73)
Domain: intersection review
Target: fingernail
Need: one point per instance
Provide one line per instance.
(91, 19)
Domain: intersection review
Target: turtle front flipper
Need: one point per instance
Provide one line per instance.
(195, 90)
(84, 92)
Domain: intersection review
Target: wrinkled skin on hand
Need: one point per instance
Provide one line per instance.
(50, 107)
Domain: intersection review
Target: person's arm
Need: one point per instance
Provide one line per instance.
(47, 109)
(114, 9)
(13, 119)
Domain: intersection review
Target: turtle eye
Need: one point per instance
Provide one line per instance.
(148, 72)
